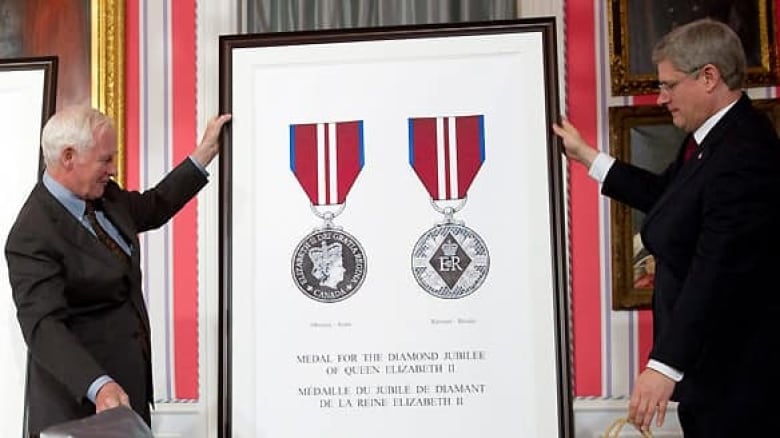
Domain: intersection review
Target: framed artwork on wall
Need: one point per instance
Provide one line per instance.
(368, 324)
(644, 136)
(87, 36)
(26, 102)
(107, 46)
(636, 25)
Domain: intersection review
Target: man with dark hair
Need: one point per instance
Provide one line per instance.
(711, 220)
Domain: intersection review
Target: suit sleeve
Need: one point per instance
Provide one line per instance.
(38, 288)
(634, 186)
(156, 206)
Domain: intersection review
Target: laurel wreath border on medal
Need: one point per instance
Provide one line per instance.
(355, 286)
(416, 272)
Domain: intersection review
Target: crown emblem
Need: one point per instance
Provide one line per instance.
(449, 248)
(325, 254)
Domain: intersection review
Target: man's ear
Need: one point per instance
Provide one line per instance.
(711, 76)
(67, 157)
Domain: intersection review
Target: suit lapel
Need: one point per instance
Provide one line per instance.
(685, 172)
(688, 170)
(69, 227)
(112, 210)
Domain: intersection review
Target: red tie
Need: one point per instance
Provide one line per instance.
(690, 148)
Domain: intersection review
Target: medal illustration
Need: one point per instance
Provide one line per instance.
(450, 260)
(329, 264)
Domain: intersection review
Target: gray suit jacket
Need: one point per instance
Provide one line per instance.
(81, 310)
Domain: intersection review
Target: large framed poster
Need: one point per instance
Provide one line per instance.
(392, 234)
(27, 95)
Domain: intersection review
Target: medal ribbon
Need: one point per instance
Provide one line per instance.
(326, 158)
(446, 153)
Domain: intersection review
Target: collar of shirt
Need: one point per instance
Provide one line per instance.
(76, 206)
(708, 124)
(68, 199)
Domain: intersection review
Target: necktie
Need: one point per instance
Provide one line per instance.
(102, 236)
(690, 148)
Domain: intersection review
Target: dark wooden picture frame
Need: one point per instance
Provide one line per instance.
(636, 25)
(49, 66)
(643, 136)
(240, 63)
(27, 100)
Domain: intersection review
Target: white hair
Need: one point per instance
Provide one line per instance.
(72, 126)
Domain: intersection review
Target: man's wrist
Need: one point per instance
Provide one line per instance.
(600, 167)
(666, 370)
(199, 165)
(94, 388)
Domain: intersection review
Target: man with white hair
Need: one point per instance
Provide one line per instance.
(74, 265)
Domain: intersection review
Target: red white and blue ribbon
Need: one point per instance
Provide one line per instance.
(446, 153)
(326, 158)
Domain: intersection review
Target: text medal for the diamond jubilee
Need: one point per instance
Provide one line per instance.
(329, 264)
(450, 260)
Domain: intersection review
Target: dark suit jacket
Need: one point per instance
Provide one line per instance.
(712, 225)
(81, 309)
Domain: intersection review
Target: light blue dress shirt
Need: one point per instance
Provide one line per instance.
(76, 206)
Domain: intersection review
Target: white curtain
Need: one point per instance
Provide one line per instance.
(293, 15)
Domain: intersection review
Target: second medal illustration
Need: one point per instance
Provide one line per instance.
(450, 260)
(329, 264)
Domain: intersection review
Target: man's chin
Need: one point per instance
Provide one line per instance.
(679, 123)
(98, 192)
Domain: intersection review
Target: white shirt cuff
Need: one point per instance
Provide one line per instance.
(600, 167)
(666, 370)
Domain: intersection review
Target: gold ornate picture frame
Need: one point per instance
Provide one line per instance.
(636, 25)
(644, 136)
(108, 71)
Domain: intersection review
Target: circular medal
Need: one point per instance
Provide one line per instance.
(329, 265)
(450, 261)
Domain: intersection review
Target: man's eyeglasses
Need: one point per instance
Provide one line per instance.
(669, 86)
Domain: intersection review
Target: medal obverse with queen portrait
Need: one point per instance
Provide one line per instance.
(329, 265)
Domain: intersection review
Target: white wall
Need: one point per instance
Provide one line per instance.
(199, 419)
